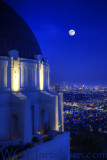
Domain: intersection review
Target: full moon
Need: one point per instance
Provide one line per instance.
(71, 32)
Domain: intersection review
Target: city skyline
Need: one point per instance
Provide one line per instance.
(79, 59)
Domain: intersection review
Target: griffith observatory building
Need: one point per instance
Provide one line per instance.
(27, 106)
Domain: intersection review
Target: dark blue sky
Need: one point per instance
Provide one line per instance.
(81, 59)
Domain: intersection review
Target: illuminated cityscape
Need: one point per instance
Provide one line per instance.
(85, 113)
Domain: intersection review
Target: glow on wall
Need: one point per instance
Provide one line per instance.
(41, 78)
(15, 75)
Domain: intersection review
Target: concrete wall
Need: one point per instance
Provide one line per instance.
(45, 105)
(25, 72)
(4, 117)
(56, 149)
(60, 109)
(49, 103)
(25, 76)
(15, 117)
(47, 114)
(22, 108)
(28, 74)
(3, 73)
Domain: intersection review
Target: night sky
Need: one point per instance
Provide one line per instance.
(78, 59)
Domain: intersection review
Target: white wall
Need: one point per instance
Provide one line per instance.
(29, 73)
(50, 103)
(4, 117)
(43, 101)
(4, 123)
(18, 104)
(22, 108)
(56, 149)
(3, 72)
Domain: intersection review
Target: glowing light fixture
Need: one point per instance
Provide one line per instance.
(41, 78)
(15, 75)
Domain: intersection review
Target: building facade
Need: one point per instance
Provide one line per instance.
(27, 106)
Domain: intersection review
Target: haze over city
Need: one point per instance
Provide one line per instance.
(77, 59)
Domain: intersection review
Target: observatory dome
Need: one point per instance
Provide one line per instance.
(15, 34)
